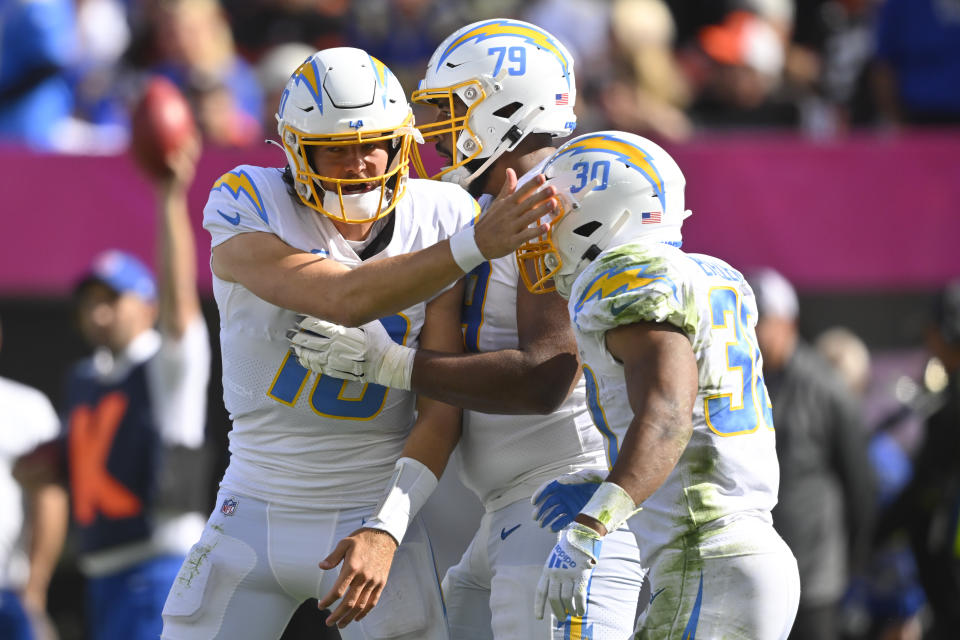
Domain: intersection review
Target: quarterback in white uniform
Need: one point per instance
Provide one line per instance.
(674, 383)
(523, 426)
(315, 459)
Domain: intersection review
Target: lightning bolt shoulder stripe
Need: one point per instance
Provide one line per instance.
(238, 183)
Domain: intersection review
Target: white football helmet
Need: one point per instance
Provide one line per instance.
(614, 188)
(344, 96)
(514, 78)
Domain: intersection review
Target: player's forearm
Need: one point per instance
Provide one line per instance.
(179, 302)
(376, 289)
(49, 515)
(509, 381)
(649, 452)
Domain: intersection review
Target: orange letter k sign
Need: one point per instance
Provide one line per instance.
(93, 488)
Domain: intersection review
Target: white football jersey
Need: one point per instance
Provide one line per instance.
(729, 467)
(27, 419)
(506, 457)
(300, 437)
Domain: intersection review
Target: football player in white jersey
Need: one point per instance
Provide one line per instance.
(503, 90)
(342, 234)
(674, 382)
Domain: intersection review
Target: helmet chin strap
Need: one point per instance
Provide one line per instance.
(357, 207)
(508, 142)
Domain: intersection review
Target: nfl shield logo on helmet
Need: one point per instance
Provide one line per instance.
(229, 506)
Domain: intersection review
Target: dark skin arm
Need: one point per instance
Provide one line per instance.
(303, 282)
(534, 378)
(367, 554)
(662, 382)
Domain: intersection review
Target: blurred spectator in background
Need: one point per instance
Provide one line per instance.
(27, 421)
(194, 48)
(37, 42)
(647, 91)
(736, 72)
(260, 25)
(404, 33)
(828, 61)
(917, 77)
(273, 70)
(826, 496)
(928, 509)
(136, 411)
(884, 603)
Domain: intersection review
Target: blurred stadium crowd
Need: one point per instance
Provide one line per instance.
(71, 69)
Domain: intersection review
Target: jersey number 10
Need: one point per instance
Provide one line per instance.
(327, 398)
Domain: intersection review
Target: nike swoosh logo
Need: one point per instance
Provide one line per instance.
(659, 591)
(505, 532)
(616, 309)
(234, 219)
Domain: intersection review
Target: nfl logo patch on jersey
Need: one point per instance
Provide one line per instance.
(229, 506)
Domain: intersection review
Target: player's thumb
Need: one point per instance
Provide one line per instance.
(509, 185)
(335, 557)
(540, 599)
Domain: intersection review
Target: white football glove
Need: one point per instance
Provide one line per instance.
(557, 502)
(566, 573)
(366, 353)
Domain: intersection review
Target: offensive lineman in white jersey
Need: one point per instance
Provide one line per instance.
(310, 462)
(504, 89)
(674, 382)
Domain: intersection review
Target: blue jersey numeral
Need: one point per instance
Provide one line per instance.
(743, 411)
(474, 298)
(515, 55)
(327, 397)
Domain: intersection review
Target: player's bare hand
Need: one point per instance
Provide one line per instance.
(510, 220)
(366, 555)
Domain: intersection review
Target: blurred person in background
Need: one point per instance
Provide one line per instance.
(885, 601)
(928, 509)
(136, 412)
(828, 62)
(826, 498)
(37, 43)
(736, 72)
(647, 91)
(28, 424)
(404, 32)
(273, 71)
(917, 75)
(193, 47)
(262, 25)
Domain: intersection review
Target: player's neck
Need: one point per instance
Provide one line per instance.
(353, 230)
(521, 160)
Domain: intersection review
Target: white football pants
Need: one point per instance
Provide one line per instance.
(252, 568)
(738, 582)
(490, 592)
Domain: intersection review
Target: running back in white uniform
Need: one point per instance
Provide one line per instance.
(706, 533)
(316, 449)
(503, 459)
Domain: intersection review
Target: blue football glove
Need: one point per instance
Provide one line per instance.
(557, 502)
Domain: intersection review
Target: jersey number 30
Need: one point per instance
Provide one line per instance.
(328, 397)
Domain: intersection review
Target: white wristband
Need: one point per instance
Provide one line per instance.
(610, 505)
(396, 369)
(411, 485)
(466, 253)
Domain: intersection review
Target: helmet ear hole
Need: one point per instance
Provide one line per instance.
(586, 230)
(507, 110)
